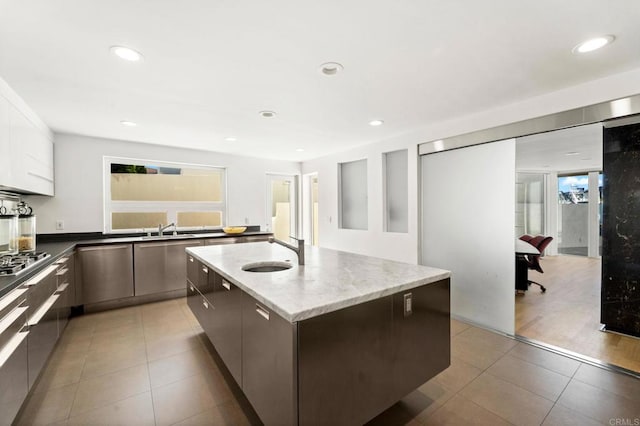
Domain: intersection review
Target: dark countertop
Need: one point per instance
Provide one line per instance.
(57, 249)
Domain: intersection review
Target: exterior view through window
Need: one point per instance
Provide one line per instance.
(574, 222)
(140, 195)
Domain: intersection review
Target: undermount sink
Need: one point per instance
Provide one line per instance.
(269, 266)
(168, 237)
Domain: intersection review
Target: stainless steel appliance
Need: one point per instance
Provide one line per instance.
(16, 264)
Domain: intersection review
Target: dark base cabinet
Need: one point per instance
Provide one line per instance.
(340, 368)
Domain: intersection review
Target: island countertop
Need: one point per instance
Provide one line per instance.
(329, 280)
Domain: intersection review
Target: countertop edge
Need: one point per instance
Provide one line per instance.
(331, 307)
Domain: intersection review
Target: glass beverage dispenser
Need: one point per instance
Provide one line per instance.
(27, 231)
(26, 228)
(8, 234)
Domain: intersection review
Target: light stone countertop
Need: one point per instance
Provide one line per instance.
(330, 279)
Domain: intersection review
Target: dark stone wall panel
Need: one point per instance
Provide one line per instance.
(620, 303)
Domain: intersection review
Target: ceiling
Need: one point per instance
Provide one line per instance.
(211, 66)
(569, 150)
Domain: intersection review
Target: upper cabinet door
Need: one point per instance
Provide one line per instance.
(5, 142)
(31, 168)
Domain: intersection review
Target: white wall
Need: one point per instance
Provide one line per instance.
(404, 247)
(79, 181)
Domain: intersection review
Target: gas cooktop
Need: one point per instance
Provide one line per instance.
(15, 264)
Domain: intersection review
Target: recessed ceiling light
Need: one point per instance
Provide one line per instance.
(331, 68)
(376, 123)
(230, 139)
(300, 150)
(572, 153)
(267, 114)
(126, 53)
(128, 123)
(593, 44)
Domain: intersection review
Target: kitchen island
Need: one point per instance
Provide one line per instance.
(335, 341)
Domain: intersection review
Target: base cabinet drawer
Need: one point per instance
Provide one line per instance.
(14, 380)
(226, 329)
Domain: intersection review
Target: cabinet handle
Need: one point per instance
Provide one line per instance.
(41, 276)
(11, 318)
(41, 312)
(62, 272)
(105, 247)
(11, 346)
(262, 312)
(12, 297)
(226, 285)
(205, 304)
(205, 270)
(190, 259)
(192, 289)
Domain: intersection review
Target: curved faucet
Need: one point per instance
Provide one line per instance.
(298, 250)
(162, 228)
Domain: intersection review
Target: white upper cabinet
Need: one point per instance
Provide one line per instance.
(26, 147)
(5, 142)
(32, 166)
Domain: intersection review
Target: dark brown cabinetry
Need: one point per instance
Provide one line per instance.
(269, 363)
(226, 326)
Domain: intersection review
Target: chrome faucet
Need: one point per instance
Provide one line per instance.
(298, 250)
(162, 228)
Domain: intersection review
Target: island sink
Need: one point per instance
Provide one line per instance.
(266, 267)
(336, 341)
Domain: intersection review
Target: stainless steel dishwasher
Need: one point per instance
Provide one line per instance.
(106, 272)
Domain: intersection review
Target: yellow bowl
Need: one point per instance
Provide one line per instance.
(234, 229)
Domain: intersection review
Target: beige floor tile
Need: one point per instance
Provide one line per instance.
(158, 330)
(109, 361)
(472, 352)
(68, 344)
(597, 403)
(458, 327)
(188, 397)
(106, 389)
(617, 383)
(117, 332)
(531, 377)
(63, 369)
(562, 416)
(136, 410)
(547, 359)
(458, 375)
(488, 338)
(461, 411)
(115, 343)
(44, 408)
(227, 414)
(175, 367)
(172, 344)
(404, 412)
(507, 400)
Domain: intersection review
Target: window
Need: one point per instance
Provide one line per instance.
(353, 198)
(140, 195)
(396, 193)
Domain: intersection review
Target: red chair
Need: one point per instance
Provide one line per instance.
(526, 238)
(540, 242)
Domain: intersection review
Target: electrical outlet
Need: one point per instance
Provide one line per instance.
(59, 225)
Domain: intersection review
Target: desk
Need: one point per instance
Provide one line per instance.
(522, 266)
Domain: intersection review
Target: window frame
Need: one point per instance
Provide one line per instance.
(172, 207)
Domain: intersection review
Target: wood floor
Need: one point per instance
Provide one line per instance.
(568, 314)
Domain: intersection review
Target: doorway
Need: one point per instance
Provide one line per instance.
(282, 206)
(310, 220)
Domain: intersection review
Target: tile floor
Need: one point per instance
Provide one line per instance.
(152, 364)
